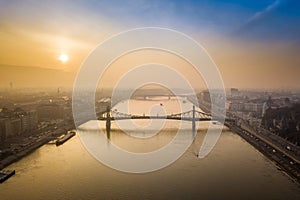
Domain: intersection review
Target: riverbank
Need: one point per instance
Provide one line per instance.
(276, 149)
(274, 153)
(24, 149)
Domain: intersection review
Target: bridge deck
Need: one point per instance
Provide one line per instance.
(191, 115)
(157, 117)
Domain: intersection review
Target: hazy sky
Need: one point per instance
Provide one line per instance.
(255, 43)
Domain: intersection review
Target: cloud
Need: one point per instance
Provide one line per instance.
(258, 15)
(264, 23)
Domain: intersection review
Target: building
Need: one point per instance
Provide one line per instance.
(204, 96)
(33, 119)
(236, 106)
(10, 127)
(254, 107)
(17, 122)
(284, 121)
(29, 119)
(234, 92)
(16, 127)
(4, 128)
(49, 111)
(246, 107)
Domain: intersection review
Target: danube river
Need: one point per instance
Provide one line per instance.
(233, 170)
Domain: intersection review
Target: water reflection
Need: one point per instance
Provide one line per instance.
(233, 170)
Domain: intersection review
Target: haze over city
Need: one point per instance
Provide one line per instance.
(149, 99)
(255, 44)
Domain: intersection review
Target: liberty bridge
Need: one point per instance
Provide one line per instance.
(191, 115)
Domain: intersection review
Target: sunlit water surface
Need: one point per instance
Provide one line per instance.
(233, 170)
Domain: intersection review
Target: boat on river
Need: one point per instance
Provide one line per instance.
(65, 138)
(6, 174)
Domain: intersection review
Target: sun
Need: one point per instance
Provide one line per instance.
(63, 58)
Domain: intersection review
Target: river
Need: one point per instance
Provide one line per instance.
(233, 170)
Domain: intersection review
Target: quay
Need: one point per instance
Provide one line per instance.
(22, 150)
(284, 154)
(284, 159)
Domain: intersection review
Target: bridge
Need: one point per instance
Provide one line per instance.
(192, 115)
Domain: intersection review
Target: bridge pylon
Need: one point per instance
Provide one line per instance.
(108, 121)
(194, 121)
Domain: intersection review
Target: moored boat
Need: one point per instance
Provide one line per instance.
(6, 174)
(65, 138)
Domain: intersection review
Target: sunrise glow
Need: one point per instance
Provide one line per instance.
(63, 58)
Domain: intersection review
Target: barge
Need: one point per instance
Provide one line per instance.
(65, 138)
(6, 174)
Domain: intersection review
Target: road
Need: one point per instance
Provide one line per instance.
(285, 159)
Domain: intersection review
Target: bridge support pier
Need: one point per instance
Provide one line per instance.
(108, 122)
(193, 121)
